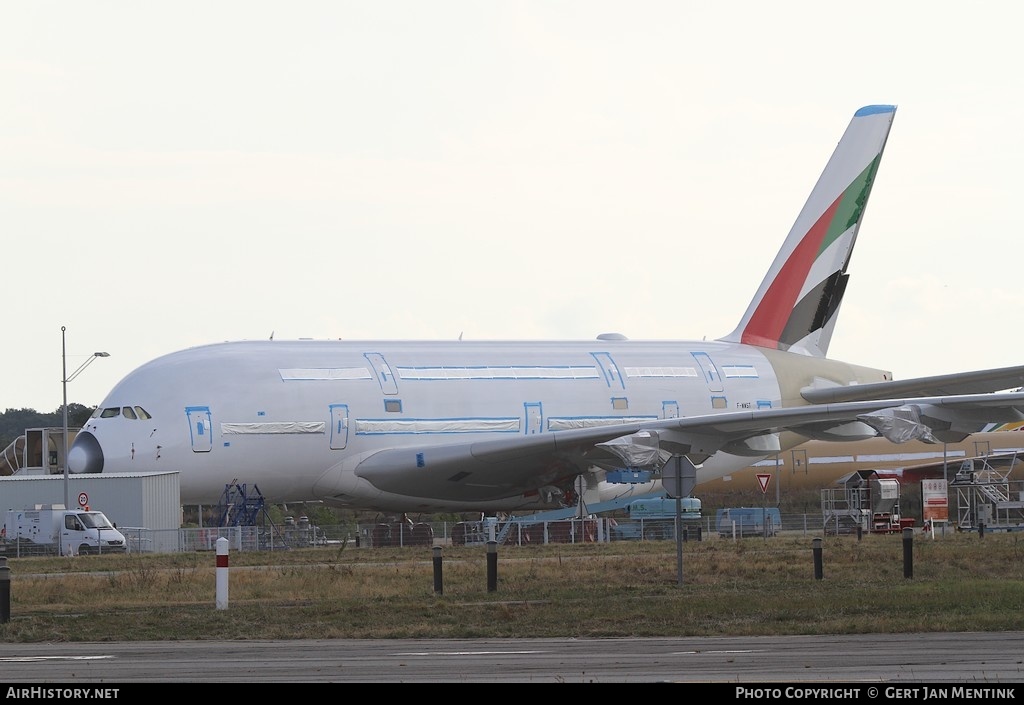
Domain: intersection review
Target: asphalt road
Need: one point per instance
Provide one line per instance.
(977, 660)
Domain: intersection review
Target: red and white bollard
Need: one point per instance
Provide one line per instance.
(222, 573)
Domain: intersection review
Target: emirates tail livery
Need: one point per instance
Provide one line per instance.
(431, 426)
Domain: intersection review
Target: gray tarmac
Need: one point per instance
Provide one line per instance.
(980, 660)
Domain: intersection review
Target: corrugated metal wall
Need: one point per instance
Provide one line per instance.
(149, 500)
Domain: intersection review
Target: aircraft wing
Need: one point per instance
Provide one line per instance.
(977, 382)
(477, 471)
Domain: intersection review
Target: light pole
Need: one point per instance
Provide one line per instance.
(64, 381)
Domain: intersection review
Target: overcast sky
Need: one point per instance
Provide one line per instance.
(181, 173)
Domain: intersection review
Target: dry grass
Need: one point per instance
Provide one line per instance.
(959, 582)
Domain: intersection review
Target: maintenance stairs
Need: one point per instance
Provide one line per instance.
(987, 498)
(240, 507)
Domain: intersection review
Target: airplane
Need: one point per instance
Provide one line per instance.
(817, 465)
(500, 426)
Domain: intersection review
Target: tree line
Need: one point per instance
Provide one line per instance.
(13, 422)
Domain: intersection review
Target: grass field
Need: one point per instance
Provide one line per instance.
(878, 584)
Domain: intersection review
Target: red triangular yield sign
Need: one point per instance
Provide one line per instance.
(763, 479)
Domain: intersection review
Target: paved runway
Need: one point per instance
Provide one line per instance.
(975, 659)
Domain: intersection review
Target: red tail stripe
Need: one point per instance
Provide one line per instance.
(769, 320)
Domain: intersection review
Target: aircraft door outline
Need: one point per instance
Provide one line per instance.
(339, 426)
(609, 370)
(200, 425)
(670, 410)
(798, 457)
(534, 414)
(711, 374)
(382, 371)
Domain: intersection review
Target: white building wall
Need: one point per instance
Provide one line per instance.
(149, 501)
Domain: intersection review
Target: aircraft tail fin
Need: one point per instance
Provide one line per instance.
(797, 304)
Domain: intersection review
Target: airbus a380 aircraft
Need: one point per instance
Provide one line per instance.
(818, 465)
(434, 426)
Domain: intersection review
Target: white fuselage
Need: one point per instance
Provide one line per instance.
(280, 414)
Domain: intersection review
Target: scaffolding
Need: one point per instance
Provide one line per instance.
(238, 508)
(863, 502)
(985, 496)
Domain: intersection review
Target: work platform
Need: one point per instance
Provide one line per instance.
(986, 497)
(40, 451)
(980, 490)
(863, 501)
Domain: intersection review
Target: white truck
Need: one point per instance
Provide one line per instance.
(54, 529)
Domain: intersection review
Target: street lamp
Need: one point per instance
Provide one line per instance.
(65, 379)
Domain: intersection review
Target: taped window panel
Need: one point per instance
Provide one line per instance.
(660, 371)
(567, 424)
(420, 426)
(324, 373)
(739, 372)
(501, 372)
(273, 428)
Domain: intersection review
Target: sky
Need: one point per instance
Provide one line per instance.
(180, 173)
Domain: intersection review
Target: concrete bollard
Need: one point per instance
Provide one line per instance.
(492, 566)
(5, 591)
(908, 553)
(816, 550)
(438, 584)
(222, 573)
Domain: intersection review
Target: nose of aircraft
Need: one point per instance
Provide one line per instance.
(85, 455)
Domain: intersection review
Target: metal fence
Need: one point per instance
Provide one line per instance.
(517, 532)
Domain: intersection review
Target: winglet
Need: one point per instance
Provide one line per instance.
(796, 306)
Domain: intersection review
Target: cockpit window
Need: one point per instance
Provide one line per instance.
(129, 412)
